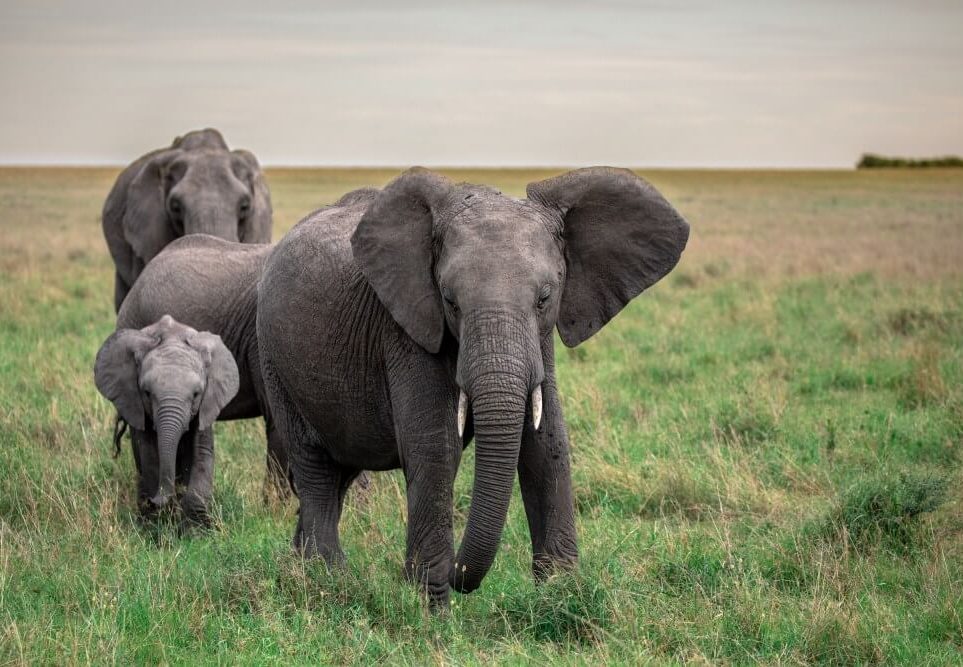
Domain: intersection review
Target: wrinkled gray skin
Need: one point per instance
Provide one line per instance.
(197, 186)
(375, 314)
(169, 382)
(211, 285)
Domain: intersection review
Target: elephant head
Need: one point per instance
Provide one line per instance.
(499, 274)
(197, 186)
(166, 375)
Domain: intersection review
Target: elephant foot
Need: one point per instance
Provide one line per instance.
(545, 565)
(151, 512)
(433, 586)
(195, 514)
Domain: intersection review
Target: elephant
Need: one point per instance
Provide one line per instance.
(195, 186)
(398, 327)
(211, 284)
(169, 382)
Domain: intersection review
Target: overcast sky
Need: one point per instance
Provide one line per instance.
(747, 83)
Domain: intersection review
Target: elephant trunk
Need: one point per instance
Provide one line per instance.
(499, 367)
(212, 217)
(170, 424)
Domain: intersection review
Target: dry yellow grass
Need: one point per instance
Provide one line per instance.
(897, 223)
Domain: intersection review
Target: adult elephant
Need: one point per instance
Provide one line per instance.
(394, 329)
(196, 186)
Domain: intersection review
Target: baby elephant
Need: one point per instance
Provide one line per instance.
(169, 382)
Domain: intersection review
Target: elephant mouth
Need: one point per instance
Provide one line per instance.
(462, 413)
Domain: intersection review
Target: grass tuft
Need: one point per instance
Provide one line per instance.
(886, 510)
(567, 608)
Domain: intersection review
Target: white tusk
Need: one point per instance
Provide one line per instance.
(462, 412)
(537, 406)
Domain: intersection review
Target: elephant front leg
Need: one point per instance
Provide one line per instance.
(196, 501)
(430, 543)
(424, 405)
(144, 444)
(545, 478)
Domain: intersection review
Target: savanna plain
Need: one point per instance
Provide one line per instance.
(766, 452)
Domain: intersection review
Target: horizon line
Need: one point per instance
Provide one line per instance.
(482, 166)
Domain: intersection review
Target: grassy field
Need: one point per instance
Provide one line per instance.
(766, 452)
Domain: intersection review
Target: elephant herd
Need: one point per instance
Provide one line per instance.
(387, 330)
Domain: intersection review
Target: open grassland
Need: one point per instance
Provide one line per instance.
(766, 453)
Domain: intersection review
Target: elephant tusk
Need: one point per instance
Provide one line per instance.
(537, 406)
(462, 412)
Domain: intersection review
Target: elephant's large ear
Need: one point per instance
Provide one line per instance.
(146, 225)
(222, 376)
(621, 236)
(117, 372)
(257, 227)
(393, 247)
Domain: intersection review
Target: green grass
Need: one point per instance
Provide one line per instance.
(766, 454)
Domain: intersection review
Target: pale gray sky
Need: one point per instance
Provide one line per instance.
(745, 83)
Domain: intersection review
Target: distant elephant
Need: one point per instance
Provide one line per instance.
(197, 186)
(169, 382)
(395, 328)
(211, 285)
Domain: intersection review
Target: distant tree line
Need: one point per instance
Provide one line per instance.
(873, 161)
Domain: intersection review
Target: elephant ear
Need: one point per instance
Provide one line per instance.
(393, 247)
(257, 227)
(146, 225)
(621, 236)
(222, 376)
(117, 372)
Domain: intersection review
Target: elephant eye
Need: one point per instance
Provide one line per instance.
(176, 207)
(543, 297)
(244, 208)
(449, 300)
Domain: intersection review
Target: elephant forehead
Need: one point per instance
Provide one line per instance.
(512, 244)
(173, 353)
(491, 217)
(208, 165)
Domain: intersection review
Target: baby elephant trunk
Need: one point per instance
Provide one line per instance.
(170, 423)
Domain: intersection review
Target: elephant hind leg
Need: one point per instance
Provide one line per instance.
(322, 499)
(121, 288)
(320, 482)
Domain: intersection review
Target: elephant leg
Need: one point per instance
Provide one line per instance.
(185, 459)
(322, 486)
(277, 480)
(430, 540)
(430, 452)
(121, 288)
(195, 503)
(148, 468)
(321, 483)
(545, 479)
